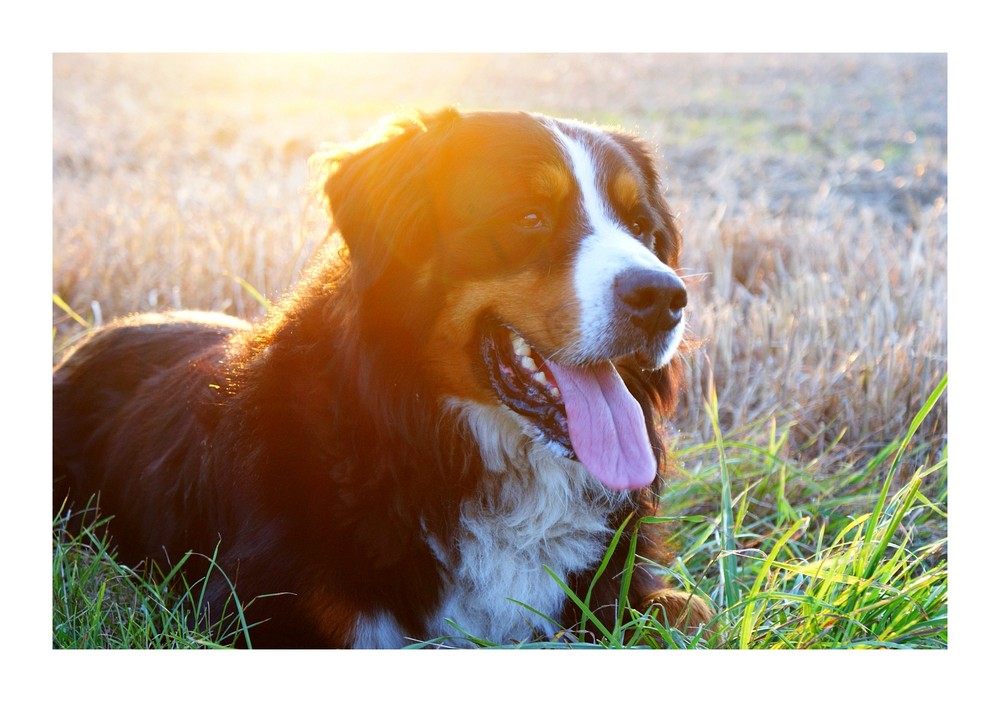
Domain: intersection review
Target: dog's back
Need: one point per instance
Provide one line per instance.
(140, 375)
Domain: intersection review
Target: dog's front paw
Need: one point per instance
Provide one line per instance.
(682, 610)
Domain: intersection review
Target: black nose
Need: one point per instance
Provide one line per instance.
(653, 299)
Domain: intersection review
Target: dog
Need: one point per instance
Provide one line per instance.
(449, 417)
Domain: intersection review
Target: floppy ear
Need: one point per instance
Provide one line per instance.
(378, 196)
(668, 236)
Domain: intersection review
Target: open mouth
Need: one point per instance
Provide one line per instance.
(521, 380)
(586, 412)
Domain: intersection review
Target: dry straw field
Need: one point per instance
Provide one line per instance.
(812, 192)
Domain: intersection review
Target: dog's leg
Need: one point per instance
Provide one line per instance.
(682, 610)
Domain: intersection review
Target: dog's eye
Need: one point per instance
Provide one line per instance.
(531, 220)
(639, 227)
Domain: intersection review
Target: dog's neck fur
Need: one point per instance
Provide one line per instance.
(539, 511)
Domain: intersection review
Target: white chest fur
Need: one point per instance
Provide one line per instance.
(537, 509)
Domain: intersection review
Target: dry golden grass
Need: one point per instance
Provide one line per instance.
(812, 191)
(838, 326)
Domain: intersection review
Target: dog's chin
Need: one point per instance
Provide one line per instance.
(647, 353)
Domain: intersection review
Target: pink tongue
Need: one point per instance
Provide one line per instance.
(606, 425)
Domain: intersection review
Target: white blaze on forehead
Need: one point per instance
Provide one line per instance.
(604, 253)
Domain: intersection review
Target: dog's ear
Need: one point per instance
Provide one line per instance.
(668, 234)
(378, 193)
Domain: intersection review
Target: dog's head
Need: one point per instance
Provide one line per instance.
(525, 262)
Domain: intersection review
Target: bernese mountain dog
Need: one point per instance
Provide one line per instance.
(440, 429)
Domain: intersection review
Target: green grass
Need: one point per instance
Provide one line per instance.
(790, 559)
(826, 562)
(99, 603)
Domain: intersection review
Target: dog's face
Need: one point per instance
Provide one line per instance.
(528, 260)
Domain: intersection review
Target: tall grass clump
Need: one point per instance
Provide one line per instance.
(795, 557)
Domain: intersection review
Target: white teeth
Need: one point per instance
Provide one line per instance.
(524, 355)
(521, 347)
(543, 380)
